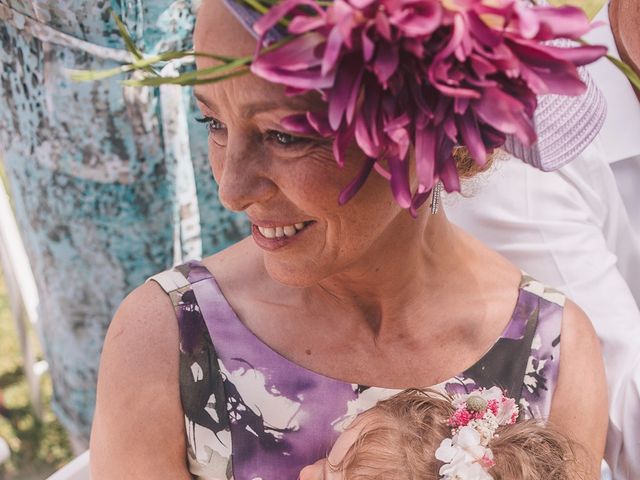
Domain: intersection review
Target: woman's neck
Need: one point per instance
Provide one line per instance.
(410, 266)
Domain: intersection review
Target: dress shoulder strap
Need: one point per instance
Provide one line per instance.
(543, 366)
(191, 325)
(202, 386)
(170, 280)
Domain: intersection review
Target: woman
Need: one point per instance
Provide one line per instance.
(325, 310)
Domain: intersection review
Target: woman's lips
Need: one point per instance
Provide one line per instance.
(272, 238)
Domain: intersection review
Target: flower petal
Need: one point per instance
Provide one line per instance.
(382, 26)
(276, 13)
(298, 124)
(356, 184)
(386, 61)
(470, 132)
(448, 174)
(320, 123)
(332, 50)
(298, 55)
(446, 451)
(505, 113)
(420, 20)
(398, 168)
(304, 23)
(343, 95)
(341, 142)
(425, 151)
(368, 47)
(564, 22)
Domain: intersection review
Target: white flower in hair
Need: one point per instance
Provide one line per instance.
(507, 411)
(486, 427)
(465, 457)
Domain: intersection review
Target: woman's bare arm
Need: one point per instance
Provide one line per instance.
(138, 431)
(579, 407)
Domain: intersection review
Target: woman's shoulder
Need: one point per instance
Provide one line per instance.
(142, 334)
(581, 352)
(149, 312)
(137, 384)
(144, 321)
(146, 318)
(580, 401)
(577, 329)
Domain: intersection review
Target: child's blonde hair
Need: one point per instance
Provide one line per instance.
(403, 433)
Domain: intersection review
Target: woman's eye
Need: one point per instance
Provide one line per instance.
(284, 139)
(217, 130)
(212, 123)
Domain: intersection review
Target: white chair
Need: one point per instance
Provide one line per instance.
(77, 469)
(23, 295)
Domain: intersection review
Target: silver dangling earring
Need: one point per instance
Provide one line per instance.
(435, 198)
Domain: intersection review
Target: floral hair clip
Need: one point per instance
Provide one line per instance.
(478, 415)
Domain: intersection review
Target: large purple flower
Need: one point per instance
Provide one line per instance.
(427, 74)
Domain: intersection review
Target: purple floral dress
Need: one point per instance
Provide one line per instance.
(251, 414)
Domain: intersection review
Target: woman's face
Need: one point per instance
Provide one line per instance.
(288, 185)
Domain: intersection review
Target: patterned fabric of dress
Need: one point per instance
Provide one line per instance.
(93, 175)
(252, 414)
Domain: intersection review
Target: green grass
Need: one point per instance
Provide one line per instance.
(38, 447)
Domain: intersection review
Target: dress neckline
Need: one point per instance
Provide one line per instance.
(232, 316)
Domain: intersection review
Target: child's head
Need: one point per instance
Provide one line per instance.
(399, 437)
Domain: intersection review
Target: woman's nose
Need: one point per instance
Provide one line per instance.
(243, 177)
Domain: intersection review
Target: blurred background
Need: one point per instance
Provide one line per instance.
(39, 446)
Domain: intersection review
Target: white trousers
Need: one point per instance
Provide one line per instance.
(570, 229)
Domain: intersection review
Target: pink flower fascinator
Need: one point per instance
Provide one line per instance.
(433, 74)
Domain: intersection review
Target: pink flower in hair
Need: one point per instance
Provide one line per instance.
(423, 76)
(460, 418)
(478, 415)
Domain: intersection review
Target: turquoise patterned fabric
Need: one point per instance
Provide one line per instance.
(93, 174)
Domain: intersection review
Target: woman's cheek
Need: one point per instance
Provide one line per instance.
(313, 170)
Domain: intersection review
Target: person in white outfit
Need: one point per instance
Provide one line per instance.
(5, 452)
(570, 228)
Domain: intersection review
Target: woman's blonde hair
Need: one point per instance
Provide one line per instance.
(465, 164)
(402, 433)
